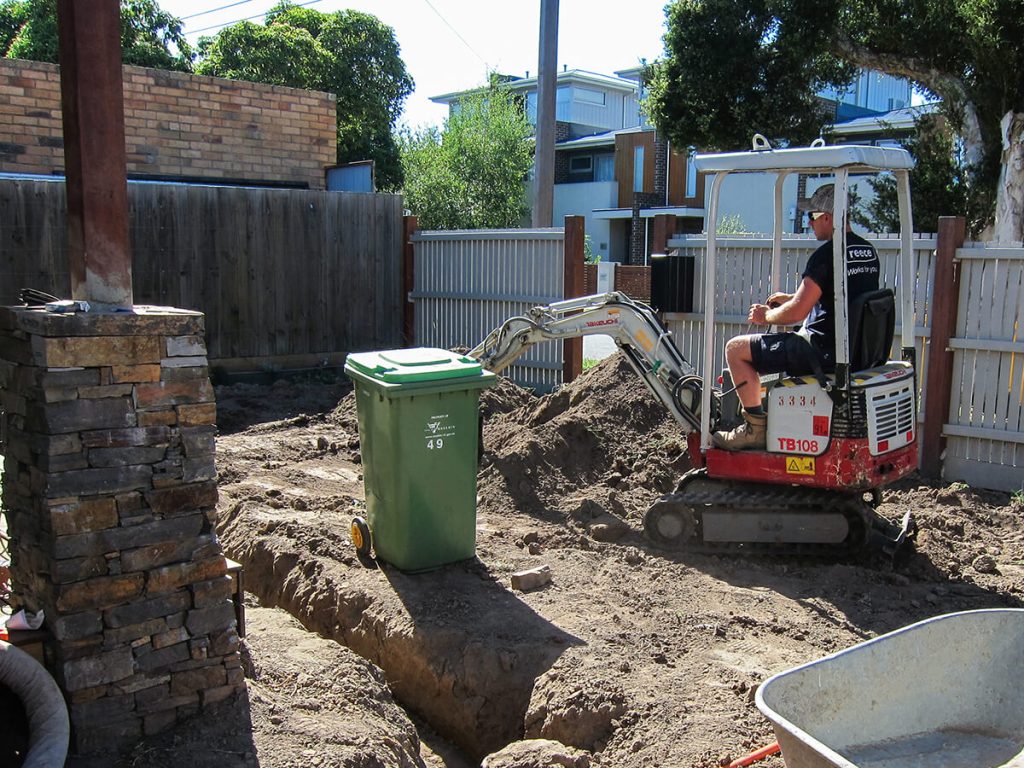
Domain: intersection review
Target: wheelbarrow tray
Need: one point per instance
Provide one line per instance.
(947, 692)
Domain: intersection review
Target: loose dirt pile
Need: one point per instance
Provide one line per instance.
(630, 656)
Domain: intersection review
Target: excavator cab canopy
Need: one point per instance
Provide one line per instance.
(817, 158)
(839, 162)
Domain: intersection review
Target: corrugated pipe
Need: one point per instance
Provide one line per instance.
(44, 705)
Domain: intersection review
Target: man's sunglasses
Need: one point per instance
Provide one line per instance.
(815, 215)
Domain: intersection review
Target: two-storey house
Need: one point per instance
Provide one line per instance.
(612, 168)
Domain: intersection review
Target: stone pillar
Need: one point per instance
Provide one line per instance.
(110, 490)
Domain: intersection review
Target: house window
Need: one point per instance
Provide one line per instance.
(638, 169)
(581, 164)
(604, 167)
(589, 96)
(691, 174)
(563, 104)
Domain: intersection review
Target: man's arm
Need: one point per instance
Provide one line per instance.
(790, 312)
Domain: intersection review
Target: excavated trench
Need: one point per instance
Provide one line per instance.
(458, 649)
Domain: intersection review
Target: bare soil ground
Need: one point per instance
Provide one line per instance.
(629, 657)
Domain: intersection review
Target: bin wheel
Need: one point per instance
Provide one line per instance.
(360, 533)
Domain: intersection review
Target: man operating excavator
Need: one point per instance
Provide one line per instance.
(810, 349)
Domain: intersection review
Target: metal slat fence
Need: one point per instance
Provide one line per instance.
(469, 282)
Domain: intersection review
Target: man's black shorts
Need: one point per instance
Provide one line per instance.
(789, 352)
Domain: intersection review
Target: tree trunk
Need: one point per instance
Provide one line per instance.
(1009, 221)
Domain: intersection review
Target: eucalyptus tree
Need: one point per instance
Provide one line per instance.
(735, 67)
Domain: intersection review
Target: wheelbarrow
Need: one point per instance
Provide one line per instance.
(947, 692)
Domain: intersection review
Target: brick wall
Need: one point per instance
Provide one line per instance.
(562, 133)
(638, 234)
(660, 168)
(178, 126)
(634, 281)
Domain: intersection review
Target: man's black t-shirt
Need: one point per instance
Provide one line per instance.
(862, 272)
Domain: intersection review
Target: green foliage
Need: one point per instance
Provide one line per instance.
(731, 224)
(736, 67)
(471, 174)
(348, 53)
(589, 257)
(150, 37)
(277, 55)
(938, 181)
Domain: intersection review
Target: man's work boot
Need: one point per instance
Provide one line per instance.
(752, 433)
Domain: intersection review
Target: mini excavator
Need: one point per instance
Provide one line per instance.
(833, 440)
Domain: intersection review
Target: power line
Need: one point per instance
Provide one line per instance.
(247, 18)
(456, 32)
(214, 10)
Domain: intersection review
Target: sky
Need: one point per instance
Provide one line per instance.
(451, 45)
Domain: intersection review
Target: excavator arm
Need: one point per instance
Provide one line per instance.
(633, 326)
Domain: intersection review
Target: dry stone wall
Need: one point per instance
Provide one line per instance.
(110, 490)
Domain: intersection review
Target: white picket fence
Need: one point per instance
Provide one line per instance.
(743, 276)
(985, 428)
(467, 283)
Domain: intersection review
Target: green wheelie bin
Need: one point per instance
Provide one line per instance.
(418, 433)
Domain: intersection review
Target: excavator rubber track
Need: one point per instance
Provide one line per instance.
(721, 516)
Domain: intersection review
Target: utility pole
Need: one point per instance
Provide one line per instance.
(544, 159)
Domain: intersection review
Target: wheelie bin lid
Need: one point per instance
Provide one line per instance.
(417, 365)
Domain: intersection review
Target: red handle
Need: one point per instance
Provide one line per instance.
(753, 757)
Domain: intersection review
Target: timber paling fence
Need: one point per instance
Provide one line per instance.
(985, 427)
(286, 278)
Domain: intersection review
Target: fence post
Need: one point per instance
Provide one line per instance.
(664, 228)
(575, 235)
(409, 225)
(943, 310)
(92, 101)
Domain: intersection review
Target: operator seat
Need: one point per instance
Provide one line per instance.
(872, 326)
(872, 323)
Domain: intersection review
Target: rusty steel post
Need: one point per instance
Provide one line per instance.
(575, 238)
(938, 379)
(92, 101)
(409, 226)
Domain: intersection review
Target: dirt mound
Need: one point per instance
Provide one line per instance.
(603, 432)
